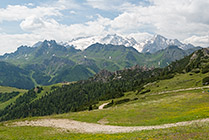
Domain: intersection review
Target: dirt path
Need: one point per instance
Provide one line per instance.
(84, 127)
(187, 89)
(102, 106)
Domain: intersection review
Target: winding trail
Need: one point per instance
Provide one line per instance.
(102, 106)
(186, 89)
(83, 127)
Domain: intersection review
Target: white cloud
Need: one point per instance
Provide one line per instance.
(32, 23)
(140, 37)
(9, 43)
(72, 12)
(18, 12)
(182, 19)
(116, 5)
(30, 4)
(67, 4)
(51, 29)
(202, 41)
(174, 19)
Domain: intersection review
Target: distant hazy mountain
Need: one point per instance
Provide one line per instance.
(159, 42)
(11, 75)
(47, 62)
(114, 39)
(156, 43)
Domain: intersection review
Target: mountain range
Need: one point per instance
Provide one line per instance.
(83, 42)
(156, 43)
(49, 62)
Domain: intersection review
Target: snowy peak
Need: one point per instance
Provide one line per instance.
(81, 43)
(37, 44)
(46, 43)
(159, 42)
(120, 40)
(114, 39)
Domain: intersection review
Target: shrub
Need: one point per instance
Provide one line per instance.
(205, 69)
(146, 91)
(122, 101)
(205, 81)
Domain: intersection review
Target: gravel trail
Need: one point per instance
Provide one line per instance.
(83, 127)
(102, 106)
(187, 89)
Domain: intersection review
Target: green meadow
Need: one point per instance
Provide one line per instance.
(144, 109)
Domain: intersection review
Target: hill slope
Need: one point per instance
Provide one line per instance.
(11, 75)
(103, 86)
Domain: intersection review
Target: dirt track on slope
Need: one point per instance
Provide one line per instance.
(178, 90)
(83, 127)
(102, 106)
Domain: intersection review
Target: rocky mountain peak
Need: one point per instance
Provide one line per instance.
(203, 53)
(159, 42)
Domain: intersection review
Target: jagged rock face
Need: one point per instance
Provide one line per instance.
(199, 60)
(106, 76)
(206, 51)
(203, 53)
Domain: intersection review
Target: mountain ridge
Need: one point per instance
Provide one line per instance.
(152, 45)
(159, 42)
(48, 62)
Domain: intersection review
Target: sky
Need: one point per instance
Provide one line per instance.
(25, 22)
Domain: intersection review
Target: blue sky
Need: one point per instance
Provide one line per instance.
(25, 22)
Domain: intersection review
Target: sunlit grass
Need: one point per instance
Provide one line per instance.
(151, 110)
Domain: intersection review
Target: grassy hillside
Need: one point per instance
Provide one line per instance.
(4, 90)
(45, 90)
(12, 75)
(152, 108)
(180, 81)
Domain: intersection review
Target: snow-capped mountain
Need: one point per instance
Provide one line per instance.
(37, 44)
(156, 43)
(159, 42)
(114, 39)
